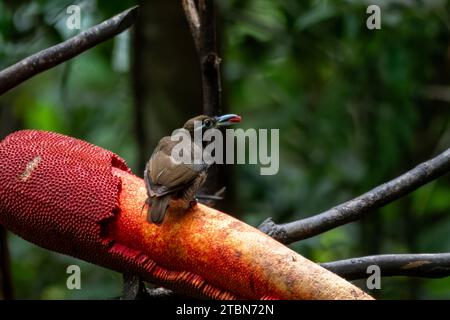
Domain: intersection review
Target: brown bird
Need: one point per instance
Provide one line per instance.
(166, 178)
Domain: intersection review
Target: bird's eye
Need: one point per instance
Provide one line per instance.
(207, 123)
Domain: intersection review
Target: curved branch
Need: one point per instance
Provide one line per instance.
(50, 57)
(426, 265)
(355, 209)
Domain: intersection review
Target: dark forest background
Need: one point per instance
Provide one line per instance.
(355, 108)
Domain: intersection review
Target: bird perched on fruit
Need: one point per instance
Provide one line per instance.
(167, 178)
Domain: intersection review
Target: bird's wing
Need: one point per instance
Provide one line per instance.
(165, 174)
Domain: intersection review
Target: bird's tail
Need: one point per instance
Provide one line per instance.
(158, 209)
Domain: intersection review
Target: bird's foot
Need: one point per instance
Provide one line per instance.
(147, 203)
(192, 203)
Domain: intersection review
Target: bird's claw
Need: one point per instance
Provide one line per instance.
(147, 203)
(193, 203)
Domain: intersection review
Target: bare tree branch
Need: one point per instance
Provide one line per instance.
(163, 293)
(202, 24)
(211, 200)
(6, 285)
(135, 289)
(209, 59)
(50, 57)
(355, 209)
(426, 265)
(193, 20)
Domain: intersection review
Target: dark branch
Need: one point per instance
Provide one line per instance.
(135, 289)
(48, 58)
(202, 23)
(209, 59)
(162, 293)
(436, 265)
(355, 209)
(6, 285)
(211, 200)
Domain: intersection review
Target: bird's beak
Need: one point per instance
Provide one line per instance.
(227, 120)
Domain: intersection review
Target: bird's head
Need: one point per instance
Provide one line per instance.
(204, 122)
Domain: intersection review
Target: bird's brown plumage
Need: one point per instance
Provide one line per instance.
(166, 178)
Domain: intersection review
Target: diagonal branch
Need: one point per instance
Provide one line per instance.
(50, 57)
(425, 265)
(355, 209)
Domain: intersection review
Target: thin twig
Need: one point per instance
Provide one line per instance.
(211, 200)
(50, 57)
(436, 265)
(355, 209)
(209, 197)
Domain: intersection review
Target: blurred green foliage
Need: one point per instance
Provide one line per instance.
(355, 107)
